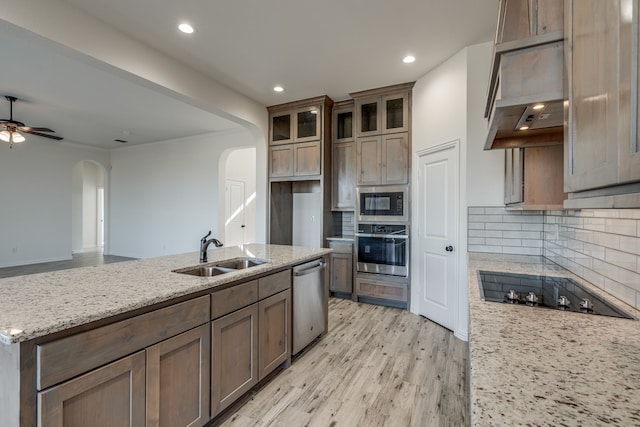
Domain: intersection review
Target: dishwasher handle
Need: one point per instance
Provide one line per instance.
(320, 266)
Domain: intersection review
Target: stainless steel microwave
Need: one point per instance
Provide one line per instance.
(389, 204)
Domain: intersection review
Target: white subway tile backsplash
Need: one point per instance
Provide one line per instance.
(626, 227)
(600, 245)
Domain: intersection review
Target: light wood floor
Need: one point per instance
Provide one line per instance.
(84, 259)
(378, 366)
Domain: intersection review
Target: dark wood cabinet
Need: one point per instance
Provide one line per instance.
(274, 342)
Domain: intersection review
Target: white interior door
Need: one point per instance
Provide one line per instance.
(437, 235)
(234, 213)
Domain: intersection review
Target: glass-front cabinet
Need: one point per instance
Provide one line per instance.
(382, 114)
(343, 121)
(298, 125)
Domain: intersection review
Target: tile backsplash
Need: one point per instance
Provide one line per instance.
(343, 223)
(600, 245)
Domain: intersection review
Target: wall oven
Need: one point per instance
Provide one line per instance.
(383, 249)
(383, 204)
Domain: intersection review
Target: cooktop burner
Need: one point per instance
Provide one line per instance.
(560, 293)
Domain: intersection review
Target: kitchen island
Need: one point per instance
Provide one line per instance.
(539, 367)
(116, 316)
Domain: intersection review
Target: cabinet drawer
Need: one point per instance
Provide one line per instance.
(273, 284)
(384, 290)
(233, 298)
(67, 357)
(341, 247)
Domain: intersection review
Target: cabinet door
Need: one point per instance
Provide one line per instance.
(341, 273)
(395, 159)
(281, 128)
(629, 150)
(343, 182)
(368, 116)
(591, 135)
(306, 158)
(281, 161)
(395, 113)
(234, 361)
(111, 396)
(178, 380)
(368, 160)
(343, 125)
(514, 176)
(275, 331)
(308, 124)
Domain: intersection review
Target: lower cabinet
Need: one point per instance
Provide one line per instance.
(113, 395)
(341, 267)
(234, 356)
(178, 380)
(251, 338)
(274, 320)
(386, 290)
(165, 384)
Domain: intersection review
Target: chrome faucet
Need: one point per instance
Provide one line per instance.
(204, 244)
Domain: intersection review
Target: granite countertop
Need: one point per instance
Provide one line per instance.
(537, 367)
(40, 304)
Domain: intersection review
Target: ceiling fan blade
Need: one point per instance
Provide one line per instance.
(57, 138)
(32, 129)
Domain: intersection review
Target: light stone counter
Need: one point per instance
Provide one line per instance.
(40, 304)
(538, 367)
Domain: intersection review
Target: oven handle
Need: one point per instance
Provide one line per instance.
(383, 236)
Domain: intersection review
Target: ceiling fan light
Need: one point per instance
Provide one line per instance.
(5, 136)
(18, 137)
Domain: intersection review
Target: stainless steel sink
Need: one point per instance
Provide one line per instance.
(222, 267)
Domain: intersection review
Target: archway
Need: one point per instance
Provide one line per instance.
(88, 207)
(239, 213)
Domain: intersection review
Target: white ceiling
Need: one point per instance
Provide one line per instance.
(322, 47)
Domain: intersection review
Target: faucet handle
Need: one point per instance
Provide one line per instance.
(205, 237)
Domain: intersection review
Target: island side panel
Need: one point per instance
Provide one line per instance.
(9, 383)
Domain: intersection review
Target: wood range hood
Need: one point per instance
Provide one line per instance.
(525, 97)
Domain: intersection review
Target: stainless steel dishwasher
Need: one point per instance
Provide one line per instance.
(308, 303)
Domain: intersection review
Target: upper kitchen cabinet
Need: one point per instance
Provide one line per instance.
(290, 126)
(383, 111)
(343, 159)
(383, 124)
(533, 178)
(526, 91)
(602, 167)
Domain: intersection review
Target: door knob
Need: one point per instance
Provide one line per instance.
(449, 249)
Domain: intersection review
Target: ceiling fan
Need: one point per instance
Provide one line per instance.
(10, 129)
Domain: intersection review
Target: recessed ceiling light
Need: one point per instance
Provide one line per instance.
(524, 127)
(408, 59)
(538, 106)
(278, 89)
(186, 28)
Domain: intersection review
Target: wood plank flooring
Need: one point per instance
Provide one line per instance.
(83, 259)
(377, 366)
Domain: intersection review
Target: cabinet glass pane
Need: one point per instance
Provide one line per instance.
(395, 114)
(345, 129)
(281, 128)
(307, 122)
(369, 117)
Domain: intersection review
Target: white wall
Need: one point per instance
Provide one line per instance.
(485, 169)
(36, 200)
(165, 196)
(240, 165)
(448, 105)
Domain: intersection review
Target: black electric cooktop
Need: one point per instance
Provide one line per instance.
(560, 293)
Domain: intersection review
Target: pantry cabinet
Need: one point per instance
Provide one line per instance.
(602, 165)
